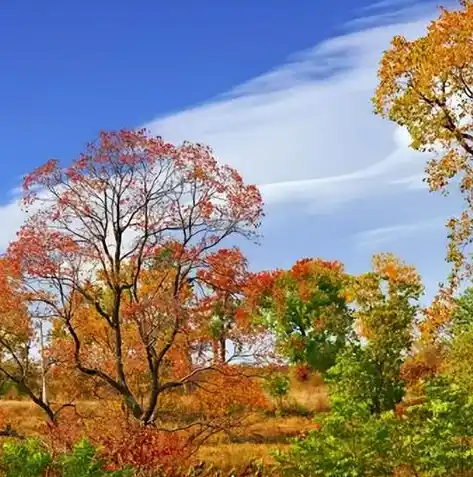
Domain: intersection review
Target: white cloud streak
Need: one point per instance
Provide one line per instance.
(11, 218)
(393, 233)
(306, 133)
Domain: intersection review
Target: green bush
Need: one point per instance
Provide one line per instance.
(84, 462)
(26, 458)
(29, 458)
(350, 442)
(278, 387)
(436, 437)
(360, 376)
(432, 439)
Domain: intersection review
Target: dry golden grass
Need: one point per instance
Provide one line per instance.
(253, 442)
(280, 427)
(23, 416)
(229, 456)
(263, 434)
(311, 394)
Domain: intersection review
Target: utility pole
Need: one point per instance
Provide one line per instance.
(44, 391)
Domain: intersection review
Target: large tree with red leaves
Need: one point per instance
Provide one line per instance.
(113, 249)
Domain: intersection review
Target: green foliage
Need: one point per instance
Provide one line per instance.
(432, 439)
(437, 435)
(278, 386)
(26, 458)
(458, 342)
(354, 438)
(308, 313)
(84, 462)
(458, 361)
(30, 458)
(463, 314)
(358, 376)
(350, 442)
(316, 347)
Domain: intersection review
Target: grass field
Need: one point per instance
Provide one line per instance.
(254, 441)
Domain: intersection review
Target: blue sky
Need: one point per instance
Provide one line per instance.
(280, 89)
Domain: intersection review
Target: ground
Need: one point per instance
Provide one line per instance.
(262, 433)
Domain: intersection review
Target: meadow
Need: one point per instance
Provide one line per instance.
(251, 443)
(136, 340)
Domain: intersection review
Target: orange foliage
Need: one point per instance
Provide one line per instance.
(437, 316)
(383, 294)
(422, 365)
(116, 254)
(426, 85)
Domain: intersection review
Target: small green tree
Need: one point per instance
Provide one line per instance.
(358, 376)
(278, 387)
(306, 309)
(387, 304)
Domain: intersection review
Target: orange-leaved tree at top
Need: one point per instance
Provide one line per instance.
(113, 251)
(426, 85)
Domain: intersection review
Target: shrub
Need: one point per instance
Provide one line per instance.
(431, 439)
(28, 458)
(303, 372)
(83, 461)
(293, 408)
(278, 387)
(144, 449)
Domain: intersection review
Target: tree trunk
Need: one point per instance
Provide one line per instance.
(223, 349)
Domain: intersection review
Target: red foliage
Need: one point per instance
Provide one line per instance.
(304, 274)
(303, 372)
(117, 250)
(143, 448)
(225, 272)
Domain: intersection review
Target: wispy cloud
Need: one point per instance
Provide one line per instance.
(305, 131)
(11, 218)
(413, 182)
(388, 4)
(393, 233)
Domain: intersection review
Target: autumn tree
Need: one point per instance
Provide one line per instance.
(18, 340)
(221, 283)
(112, 252)
(426, 85)
(386, 306)
(364, 434)
(306, 309)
